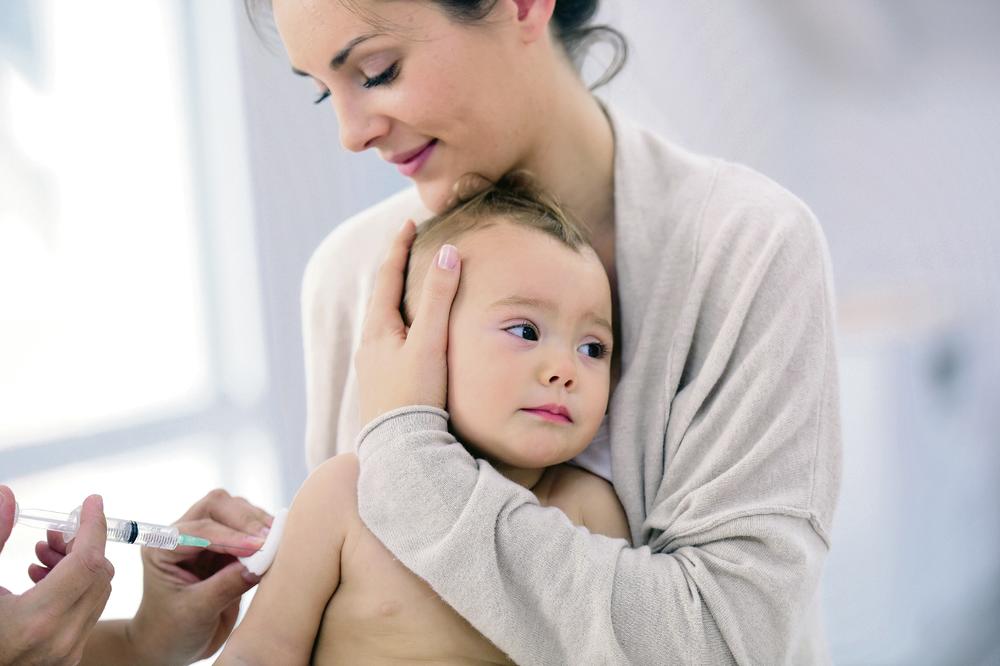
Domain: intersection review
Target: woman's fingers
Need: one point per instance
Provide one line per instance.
(429, 329)
(383, 308)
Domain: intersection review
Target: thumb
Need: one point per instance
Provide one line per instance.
(221, 589)
(92, 535)
(6, 514)
(429, 329)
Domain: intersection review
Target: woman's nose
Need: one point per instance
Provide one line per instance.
(359, 127)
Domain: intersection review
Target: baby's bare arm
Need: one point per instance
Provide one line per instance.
(284, 618)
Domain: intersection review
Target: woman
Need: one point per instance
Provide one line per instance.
(723, 424)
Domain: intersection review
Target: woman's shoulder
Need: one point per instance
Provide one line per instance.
(350, 254)
(670, 196)
(722, 191)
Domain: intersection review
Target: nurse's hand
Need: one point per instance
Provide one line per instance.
(191, 596)
(397, 366)
(51, 622)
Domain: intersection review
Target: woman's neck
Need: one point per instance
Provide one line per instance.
(573, 155)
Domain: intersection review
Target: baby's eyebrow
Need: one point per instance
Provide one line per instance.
(549, 306)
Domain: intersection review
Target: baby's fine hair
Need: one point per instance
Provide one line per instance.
(479, 204)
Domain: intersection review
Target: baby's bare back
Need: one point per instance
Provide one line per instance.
(382, 613)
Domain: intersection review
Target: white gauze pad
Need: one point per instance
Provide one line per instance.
(259, 562)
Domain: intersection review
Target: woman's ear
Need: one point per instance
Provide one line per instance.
(533, 17)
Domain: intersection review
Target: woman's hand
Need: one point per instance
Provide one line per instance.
(397, 366)
(191, 596)
(51, 622)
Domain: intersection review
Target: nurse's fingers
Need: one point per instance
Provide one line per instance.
(429, 329)
(48, 556)
(92, 534)
(84, 565)
(223, 538)
(82, 574)
(56, 541)
(235, 512)
(383, 308)
(37, 573)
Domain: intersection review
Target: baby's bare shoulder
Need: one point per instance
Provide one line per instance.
(588, 500)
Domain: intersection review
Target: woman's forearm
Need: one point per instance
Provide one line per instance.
(559, 594)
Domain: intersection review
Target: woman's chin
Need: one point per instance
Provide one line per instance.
(435, 194)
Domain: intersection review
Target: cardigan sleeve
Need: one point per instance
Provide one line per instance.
(723, 571)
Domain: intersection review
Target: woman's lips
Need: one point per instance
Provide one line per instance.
(412, 165)
(548, 416)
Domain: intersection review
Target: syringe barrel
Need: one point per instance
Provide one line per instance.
(142, 534)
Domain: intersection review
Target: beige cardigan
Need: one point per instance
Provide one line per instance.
(724, 434)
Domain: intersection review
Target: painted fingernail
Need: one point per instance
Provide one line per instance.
(254, 541)
(250, 577)
(448, 257)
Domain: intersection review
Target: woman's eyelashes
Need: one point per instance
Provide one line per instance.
(530, 333)
(385, 77)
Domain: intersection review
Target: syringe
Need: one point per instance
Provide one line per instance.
(122, 531)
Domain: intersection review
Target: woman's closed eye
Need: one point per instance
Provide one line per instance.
(388, 75)
(385, 77)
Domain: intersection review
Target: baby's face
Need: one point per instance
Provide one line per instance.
(530, 327)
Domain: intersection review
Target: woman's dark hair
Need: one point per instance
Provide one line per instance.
(571, 18)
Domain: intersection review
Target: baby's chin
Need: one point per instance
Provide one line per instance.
(535, 450)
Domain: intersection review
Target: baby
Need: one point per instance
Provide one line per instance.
(529, 359)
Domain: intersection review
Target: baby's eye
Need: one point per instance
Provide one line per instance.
(528, 331)
(597, 349)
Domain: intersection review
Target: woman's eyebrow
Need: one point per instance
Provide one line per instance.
(545, 304)
(343, 54)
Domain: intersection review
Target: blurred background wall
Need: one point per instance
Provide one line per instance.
(162, 186)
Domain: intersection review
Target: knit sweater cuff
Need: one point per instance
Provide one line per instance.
(400, 421)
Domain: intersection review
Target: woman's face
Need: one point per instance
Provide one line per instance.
(435, 97)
